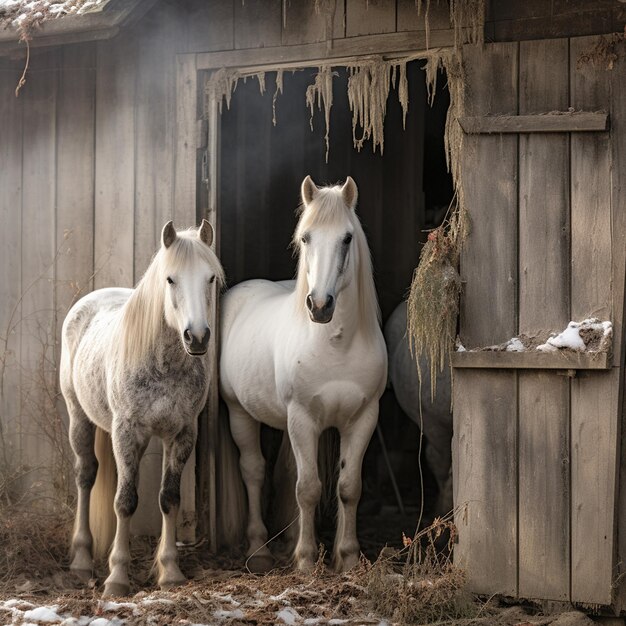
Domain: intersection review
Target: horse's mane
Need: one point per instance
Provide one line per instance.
(326, 209)
(142, 315)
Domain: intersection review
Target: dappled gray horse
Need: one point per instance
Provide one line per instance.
(134, 364)
(436, 419)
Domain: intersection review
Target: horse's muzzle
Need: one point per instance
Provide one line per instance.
(320, 314)
(197, 345)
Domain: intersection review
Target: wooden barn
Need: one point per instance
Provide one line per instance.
(137, 112)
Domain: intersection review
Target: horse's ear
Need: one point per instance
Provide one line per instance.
(309, 190)
(349, 192)
(168, 234)
(205, 232)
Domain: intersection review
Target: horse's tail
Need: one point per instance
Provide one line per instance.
(232, 505)
(102, 520)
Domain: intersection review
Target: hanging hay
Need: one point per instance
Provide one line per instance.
(221, 85)
(322, 91)
(368, 90)
(433, 302)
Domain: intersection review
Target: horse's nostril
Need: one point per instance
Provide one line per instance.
(206, 336)
(188, 336)
(309, 302)
(329, 302)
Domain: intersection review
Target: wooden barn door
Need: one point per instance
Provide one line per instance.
(536, 449)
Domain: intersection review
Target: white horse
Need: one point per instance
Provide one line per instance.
(435, 419)
(133, 364)
(304, 357)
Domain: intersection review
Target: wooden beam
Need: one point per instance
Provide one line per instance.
(335, 50)
(544, 123)
(487, 359)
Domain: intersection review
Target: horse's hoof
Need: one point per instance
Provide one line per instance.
(115, 589)
(305, 565)
(260, 563)
(83, 574)
(172, 581)
(345, 564)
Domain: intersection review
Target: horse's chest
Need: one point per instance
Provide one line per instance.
(164, 402)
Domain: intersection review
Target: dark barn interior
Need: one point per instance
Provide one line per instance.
(402, 193)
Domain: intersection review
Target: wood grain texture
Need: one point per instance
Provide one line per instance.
(618, 235)
(302, 23)
(546, 123)
(531, 360)
(258, 24)
(544, 496)
(311, 54)
(544, 296)
(370, 17)
(38, 320)
(437, 13)
(115, 160)
(489, 261)
(485, 479)
(11, 120)
(594, 417)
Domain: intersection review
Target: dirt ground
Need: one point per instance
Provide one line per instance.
(406, 584)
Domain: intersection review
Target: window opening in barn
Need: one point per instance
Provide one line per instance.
(402, 193)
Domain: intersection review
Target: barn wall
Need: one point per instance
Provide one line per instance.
(536, 451)
(94, 158)
(93, 161)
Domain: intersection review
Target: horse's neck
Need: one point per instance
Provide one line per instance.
(168, 352)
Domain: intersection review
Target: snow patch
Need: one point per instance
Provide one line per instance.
(571, 338)
(288, 616)
(47, 614)
(224, 614)
(515, 345)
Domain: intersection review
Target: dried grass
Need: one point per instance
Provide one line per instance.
(605, 52)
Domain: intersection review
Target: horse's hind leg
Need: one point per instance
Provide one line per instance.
(128, 448)
(354, 441)
(175, 455)
(82, 435)
(246, 432)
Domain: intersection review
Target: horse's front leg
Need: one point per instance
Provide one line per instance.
(128, 448)
(354, 441)
(175, 455)
(304, 435)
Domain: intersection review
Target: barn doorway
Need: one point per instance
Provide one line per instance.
(402, 193)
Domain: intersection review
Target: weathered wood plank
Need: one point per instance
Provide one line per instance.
(531, 360)
(437, 14)
(337, 49)
(485, 407)
(184, 212)
(547, 123)
(485, 480)
(593, 449)
(258, 24)
(11, 117)
(617, 78)
(115, 155)
(368, 17)
(210, 27)
(488, 307)
(75, 177)
(544, 499)
(544, 539)
(38, 419)
(302, 23)
(594, 418)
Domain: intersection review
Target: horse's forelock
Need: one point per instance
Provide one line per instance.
(327, 209)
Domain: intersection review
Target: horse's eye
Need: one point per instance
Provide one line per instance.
(212, 279)
(305, 239)
(347, 239)
(169, 280)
